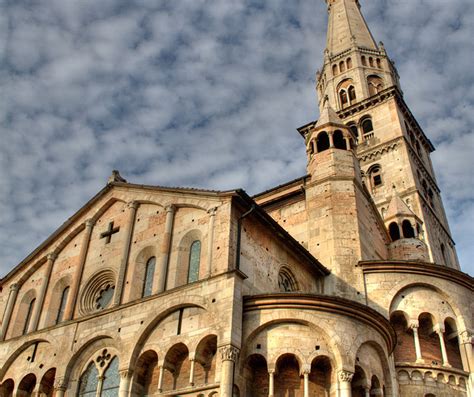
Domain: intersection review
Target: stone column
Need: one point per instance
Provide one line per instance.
(271, 383)
(161, 367)
(125, 382)
(442, 344)
(345, 379)
(331, 139)
(306, 371)
(191, 370)
(414, 327)
(100, 383)
(76, 281)
(44, 287)
(132, 206)
(165, 249)
(210, 234)
(348, 143)
(7, 315)
(60, 387)
(229, 356)
(367, 391)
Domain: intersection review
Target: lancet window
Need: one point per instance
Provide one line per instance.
(149, 275)
(91, 384)
(194, 261)
(62, 305)
(28, 316)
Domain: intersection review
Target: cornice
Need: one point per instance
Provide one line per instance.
(326, 304)
(419, 268)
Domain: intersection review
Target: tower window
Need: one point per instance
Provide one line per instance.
(322, 142)
(394, 231)
(375, 84)
(376, 176)
(367, 127)
(408, 231)
(352, 93)
(334, 70)
(342, 67)
(371, 61)
(349, 63)
(149, 275)
(343, 97)
(354, 130)
(364, 60)
(338, 140)
(379, 63)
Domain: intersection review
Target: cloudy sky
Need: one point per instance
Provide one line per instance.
(202, 93)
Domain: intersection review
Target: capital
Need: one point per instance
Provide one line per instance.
(306, 369)
(229, 353)
(414, 324)
(346, 376)
(90, 223)
(212, 211)
(170, 209)
(52, 256)
(126, 373)
(133, 205)
(15, 287)
(60, 384)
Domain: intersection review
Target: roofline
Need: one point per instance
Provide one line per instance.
(284, 236)
(280, 187)
(94, 199)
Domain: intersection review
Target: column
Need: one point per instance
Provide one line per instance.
(229, 355)
(442, 344)
(14, 288)
(348, 143)
(60, 387)
(100, 383)
(161, 377)
(191, 370)
(210, 234)
(345, 379)
(125, 382)
(132, 206)
(414, 327)
(331, 139)
(44, 287)
(165, 249)
(76, 281)
(367, 391)
(306, 371)
(271, 383)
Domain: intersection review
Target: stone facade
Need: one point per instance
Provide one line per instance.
(344, 282)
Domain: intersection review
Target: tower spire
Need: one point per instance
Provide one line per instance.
(347, 27)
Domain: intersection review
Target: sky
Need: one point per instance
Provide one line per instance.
(203, 93)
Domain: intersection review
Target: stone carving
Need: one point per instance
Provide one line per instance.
(346, 376)
(116, 177)
(229, 353)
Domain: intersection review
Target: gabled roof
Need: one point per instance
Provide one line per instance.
(397, 208)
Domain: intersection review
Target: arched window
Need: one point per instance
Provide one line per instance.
(111, 382)
(149, 274)
(367, 127)
(349, 63)
(371, 61)
(286, 281)
(88, 382)
(352, 94)
(334, 70)
(194, 261)
(379, 63)
(375, 84)
(408, 231)
(322, 142)
(354, 130)
(338, 139)
(342, 66)
(376, 176)
(343, 98)
(364, 60)
(31, 306)
(394, 231)
(62, 305)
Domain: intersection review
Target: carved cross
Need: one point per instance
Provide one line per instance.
(109, 232)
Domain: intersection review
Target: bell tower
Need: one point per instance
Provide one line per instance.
(360, 84)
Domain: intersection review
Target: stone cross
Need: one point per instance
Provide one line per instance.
(108, 234)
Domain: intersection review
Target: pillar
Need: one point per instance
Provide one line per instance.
(125, 382)
(331, 139)
(414, 327)
(132, 207)
(60, 387)
(271, 383)
(442, 344)
(229, 356)
(191, 370)
(76, 281)
(161, 377)
(345, 379)
(44, 287)
(367, 391)
(165, 249)
(100, 383)
(7, 315)
(348, 143)
(210, 234)
(306, 371)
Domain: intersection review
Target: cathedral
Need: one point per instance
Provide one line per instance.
(343, 282)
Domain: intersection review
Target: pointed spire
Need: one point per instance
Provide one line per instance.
(347, 27)
(398, 208)
(328, 115)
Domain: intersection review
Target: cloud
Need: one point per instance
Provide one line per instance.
(201, 93)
